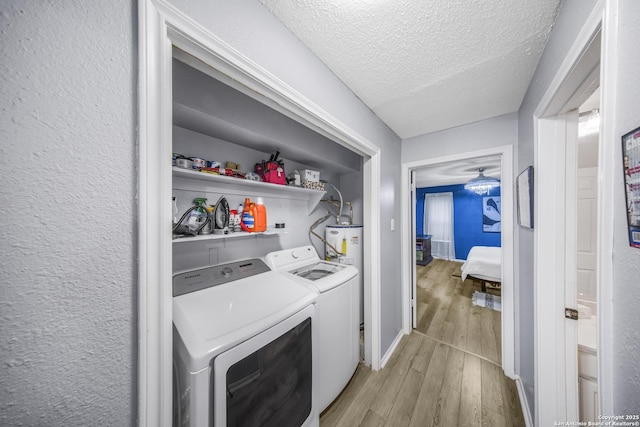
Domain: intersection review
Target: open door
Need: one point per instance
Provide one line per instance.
(412, 249)
(556, 231)
(571, 266)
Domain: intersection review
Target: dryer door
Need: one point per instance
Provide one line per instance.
(268, 380)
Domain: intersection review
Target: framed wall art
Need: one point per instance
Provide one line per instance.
(524, 197)
(631, 169)
(491, 214)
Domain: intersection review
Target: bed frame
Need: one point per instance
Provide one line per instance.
(484, 282)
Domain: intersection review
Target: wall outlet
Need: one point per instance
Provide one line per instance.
(393, 224)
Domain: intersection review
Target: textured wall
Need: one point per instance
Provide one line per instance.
(570, 20)
(494, 132)
(67, 203)
(626, 260)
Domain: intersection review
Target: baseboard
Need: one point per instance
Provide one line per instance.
(524, 403)
(391, 349)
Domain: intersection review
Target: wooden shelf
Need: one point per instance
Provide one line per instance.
(193, 180)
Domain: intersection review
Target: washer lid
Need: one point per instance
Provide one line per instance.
(318, 270)
(215, 319)
(324, 276)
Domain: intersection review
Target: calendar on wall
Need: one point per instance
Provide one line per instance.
(631, 168)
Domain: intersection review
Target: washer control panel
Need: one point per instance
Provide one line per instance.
(191, 281)
(286, 258)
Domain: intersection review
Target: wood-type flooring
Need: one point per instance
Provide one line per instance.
(445, 373)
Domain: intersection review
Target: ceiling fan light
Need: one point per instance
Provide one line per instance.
(481, 184)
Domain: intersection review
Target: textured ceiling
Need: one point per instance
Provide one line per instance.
(424, 66)
(458, 172)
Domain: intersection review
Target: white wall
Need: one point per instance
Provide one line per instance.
(67, 240)
(570, 20)
(489, 133)
(625, 287)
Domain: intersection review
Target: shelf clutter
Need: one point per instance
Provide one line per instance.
(191, 179)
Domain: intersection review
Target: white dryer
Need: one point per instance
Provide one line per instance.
(337, 314)
(244, 348)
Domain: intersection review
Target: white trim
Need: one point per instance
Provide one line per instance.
(413, 298)
(606, 184)
(371, 209)
(524, 403)
(391, 349)
(160, 26)
(508, 292)
(573, 56)
(549, 271)
(571, 264)
(154, 238)
(552, 386)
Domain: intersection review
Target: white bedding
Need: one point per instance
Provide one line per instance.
(483, 262)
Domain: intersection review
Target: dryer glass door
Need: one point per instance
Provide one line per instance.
(269, 385)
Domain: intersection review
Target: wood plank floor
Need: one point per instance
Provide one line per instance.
(433, 377)
(445, 312)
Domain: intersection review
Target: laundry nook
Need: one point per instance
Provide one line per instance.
(319, 213)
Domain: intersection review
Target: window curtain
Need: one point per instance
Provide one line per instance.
(438, 222)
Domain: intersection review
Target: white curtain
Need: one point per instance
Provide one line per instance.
(438, 222)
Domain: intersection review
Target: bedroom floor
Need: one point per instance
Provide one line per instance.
(445, 311)
(446, 373)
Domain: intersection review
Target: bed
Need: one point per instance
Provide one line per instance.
(484, 264)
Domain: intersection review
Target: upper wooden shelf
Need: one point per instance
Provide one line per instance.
(187, 179)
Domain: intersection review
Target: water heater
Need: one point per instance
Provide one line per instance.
(347, 239)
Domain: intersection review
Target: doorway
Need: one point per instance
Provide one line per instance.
(505, 154)
(556, 232)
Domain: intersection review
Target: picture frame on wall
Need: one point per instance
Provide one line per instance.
(491, 214)
(524, 197)
(631, 170)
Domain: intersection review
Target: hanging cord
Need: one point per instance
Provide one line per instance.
(184, 216)
(334, 203)
(314, 225)
(341, 201)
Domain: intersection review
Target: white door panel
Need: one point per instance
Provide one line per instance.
(587, 227)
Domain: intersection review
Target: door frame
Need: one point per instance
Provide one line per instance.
(507, 237)
(161, 27)
(555, 246)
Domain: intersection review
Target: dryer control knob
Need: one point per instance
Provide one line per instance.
(227, 271)
(294, 254)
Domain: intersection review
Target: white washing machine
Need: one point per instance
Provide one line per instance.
(245, 345)
(336, 313)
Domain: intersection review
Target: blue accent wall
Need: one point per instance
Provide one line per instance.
(467, 217)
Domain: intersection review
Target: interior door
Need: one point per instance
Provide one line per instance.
(412, 249)
(571, 264)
